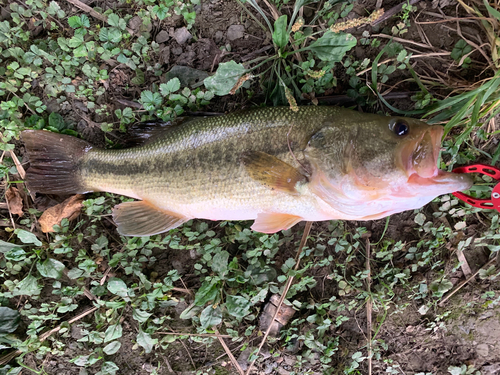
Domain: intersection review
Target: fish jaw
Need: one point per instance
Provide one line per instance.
(419, 155)
(419, 159)
(442, 183)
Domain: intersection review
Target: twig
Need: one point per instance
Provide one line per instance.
(369, 306)
(411, 57)
(7, 358)
(93, 13)
(391, 12)
(105, 276)
(185, 290)
(453, 19)
(464, 282)
(251, 55)
(464, 264)
(472, 44)
(401, 40)
(273, 9)
(228, 352)
(168, 365)
(194, 334)
(189, 355)
(19, 167)
(71, 321)
(10, 213)
(288, 284)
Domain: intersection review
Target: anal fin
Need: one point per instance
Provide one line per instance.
(272, 222)
(272, 172)
(140, 218)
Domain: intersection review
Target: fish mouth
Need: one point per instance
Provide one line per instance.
(421, 165)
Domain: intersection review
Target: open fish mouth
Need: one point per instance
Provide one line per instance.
(422, 168)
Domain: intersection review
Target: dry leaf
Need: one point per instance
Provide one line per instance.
(69, 209)
(15, 201)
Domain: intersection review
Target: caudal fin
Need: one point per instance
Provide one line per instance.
(55, 161)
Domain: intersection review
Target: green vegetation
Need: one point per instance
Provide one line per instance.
(82, 291)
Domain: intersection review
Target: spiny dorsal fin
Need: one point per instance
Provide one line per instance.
(273, 222)
(140, 218)
(141, 133)
(272, 172)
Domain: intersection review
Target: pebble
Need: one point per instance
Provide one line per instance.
(282, 371)
(235, 32)
(76, 332)
(182, 35)
(177, 50)
(162, 37)
(270, 368)
(243, 358)
(218, 36)
(290, 361)
(482, 350)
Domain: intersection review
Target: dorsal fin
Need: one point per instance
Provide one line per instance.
(141, 133)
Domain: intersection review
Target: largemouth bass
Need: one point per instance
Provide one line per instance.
(271, 165)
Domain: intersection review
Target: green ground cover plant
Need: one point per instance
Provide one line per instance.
(82, 294)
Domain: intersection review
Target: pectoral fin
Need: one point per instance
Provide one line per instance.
(272, 172)
(272, 223)
(139, 218)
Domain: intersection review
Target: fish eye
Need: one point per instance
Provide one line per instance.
(400, 128)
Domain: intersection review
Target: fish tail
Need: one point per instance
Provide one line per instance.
(55, 162)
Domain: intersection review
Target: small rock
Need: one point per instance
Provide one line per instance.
(162, 37)
(482, 350)
(235, 32)
(243, 358)
(177, 51)
(53, 106)
(81, 106)
(148, 367)
(270, 368)
(76, 332)
(218, 36)
(135, 23)
(264, 353)
(178, 266)
(290, 361)
(180, 307)
(182, 35)
(165, 55)
(486, 315)
(186, 58)
(492, 369)
(81, 126)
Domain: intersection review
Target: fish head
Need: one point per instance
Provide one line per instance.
(381, 165)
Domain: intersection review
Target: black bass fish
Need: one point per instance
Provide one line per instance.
(272, 165)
